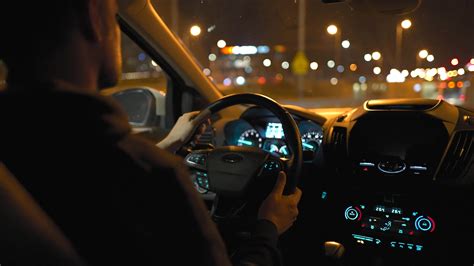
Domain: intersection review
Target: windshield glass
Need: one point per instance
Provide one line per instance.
(329, 55)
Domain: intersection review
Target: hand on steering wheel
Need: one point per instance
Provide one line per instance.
(279, 209)
(234, 172)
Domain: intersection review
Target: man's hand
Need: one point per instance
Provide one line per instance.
(182, 131)
(279, 209)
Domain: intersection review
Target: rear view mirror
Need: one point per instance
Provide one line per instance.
(389, 7)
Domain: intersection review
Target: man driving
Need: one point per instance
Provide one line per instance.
(118, 198)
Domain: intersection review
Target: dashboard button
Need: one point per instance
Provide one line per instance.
(353, 214)
(392, 167)
(425, 224)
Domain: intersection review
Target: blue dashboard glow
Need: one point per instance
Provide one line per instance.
(308, 145)
(245, 142)
(274, 131)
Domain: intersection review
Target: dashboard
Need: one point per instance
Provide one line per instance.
(399, 175)
(391, 180)
(259, 128)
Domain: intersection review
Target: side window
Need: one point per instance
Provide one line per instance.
(142, 91)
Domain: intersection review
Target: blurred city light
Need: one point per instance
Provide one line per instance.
(313, 65)
(244, 50)
(332, 29)
(340, 68)
(263, 49)
(362, 79)
(153, 63)
(417, 87)
(470, 68)
(221, 44)
(430, 58)
(331, 64)
(368, 57)
(195, 30)
(212, 57)
(267, 62)
(454, 62)
(334, 81)
(376, 55)
(423, 54)
(206, 71)
(227, 82)
(461, 71)
(285, 65)
(377, 70)
(353, 67)
(240, 80)
(472, 61)
(395, 76)
(346, 44)
(406, 24)
(405, 73)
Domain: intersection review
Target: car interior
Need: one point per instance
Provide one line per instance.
(385, 181)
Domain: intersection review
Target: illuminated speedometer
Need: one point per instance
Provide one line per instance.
(311, 141)
(250, 138)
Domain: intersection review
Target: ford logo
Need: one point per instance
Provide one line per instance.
(232, 158)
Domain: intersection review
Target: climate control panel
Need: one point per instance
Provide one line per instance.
(389, 226)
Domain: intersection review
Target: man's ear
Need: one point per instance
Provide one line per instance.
(91, 21)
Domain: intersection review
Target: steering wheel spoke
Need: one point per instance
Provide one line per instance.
(197, 159)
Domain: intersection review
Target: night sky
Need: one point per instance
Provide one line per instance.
(445, 28)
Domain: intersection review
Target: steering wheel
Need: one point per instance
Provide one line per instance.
(231, 171)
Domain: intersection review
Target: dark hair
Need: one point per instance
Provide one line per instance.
(31, 29)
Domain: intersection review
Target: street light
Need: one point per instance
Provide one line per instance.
(221, 44)
(430, 58)
(423, 54)
(195, 30)
(376, 55)
(346, 44)
(404, 25)
(332, 29)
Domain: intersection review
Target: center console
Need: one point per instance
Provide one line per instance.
(390, 226)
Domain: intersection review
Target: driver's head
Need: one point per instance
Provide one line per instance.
(42, 38)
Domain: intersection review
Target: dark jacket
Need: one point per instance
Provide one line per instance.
(118, 198)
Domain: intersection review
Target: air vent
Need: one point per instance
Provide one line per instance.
(207, 137)
(401, 104)
(458, 159)
(339, 137)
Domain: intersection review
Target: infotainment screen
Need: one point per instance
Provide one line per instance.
(274, 131)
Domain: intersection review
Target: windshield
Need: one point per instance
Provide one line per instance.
(329, 55)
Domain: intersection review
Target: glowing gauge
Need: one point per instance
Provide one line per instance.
(311, 141)
(250, 138)
(284, 151)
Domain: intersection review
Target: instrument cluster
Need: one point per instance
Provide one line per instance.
(267, 134)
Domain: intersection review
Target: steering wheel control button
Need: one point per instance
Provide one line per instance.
(391, 167)
(201, 182)
(272, 166)
(197, 160)
(353, 214)
(425, 224)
